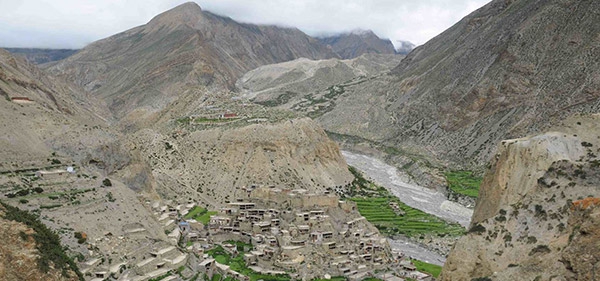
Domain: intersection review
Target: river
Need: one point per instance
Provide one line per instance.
(424, 199)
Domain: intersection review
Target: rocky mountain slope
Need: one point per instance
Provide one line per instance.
(166, 82)
(40, 56)
(151, 65)
(353, 44)
(213, 165)
(287, 84)
(43, 110)
(509, 69)
(538, 210)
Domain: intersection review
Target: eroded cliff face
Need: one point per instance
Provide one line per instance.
(212, 165)
(534, 202)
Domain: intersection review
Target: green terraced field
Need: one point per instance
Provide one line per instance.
(413, 223)
(464, 182)
(373, 203)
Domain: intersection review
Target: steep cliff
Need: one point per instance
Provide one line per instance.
(535, 213)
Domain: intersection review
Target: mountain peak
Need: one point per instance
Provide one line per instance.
(363, 32)
(186, 13)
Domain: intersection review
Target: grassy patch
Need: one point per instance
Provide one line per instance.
(432, 269)
(51, 253)
(464, 182)
(373, 203)
(200, 214)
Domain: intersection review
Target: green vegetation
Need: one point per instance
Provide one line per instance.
(373, 203)
(80, 237)
(106, 182)
(413, 223)
(464, 182)
(161, 277)
(432, 269)
(200, 214)
(238, 264)
(51, 253)
(279, 100)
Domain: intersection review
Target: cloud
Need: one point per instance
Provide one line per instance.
(75, 23)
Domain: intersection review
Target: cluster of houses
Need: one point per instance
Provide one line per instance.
(292, 232)
(307, 235)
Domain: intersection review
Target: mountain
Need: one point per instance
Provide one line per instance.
(151, 65)
(538, 210)
(40, 56)
(404, 47)
(167, 83)
(353, 44)
(509, 69)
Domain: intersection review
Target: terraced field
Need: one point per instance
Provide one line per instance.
(464, 182)
(413, 222)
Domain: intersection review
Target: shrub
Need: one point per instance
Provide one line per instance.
(478, 228)
(106, 182)
(543, 249)
(23, 201)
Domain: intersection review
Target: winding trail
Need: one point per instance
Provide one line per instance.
(424, 199)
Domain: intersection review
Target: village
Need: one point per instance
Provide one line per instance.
(266, 233)
(274, 232)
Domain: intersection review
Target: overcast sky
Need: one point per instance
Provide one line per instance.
(76, 23)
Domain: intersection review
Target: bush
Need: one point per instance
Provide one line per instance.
(23, 201)
(106, 182)
(478, 228)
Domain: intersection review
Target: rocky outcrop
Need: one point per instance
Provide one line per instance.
(532, 207)
(212, 165)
